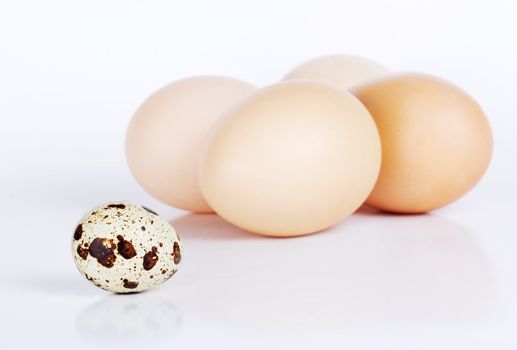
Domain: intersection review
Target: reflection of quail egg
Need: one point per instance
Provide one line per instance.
(128, 321)
(124, 248)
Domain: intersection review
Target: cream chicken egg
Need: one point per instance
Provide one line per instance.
(291, 159)
(165, 136)
(341, 71)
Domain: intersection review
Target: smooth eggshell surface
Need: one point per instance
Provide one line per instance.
(165, 136)
(341, 71)
(124, 248)
(291, 159)
(436, 142)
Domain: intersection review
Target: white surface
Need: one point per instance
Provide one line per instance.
(71, 75)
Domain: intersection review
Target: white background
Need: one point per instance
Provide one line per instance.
(73, 72)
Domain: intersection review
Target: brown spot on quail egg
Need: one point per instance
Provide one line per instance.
(150, 210)
(82, 252)
(103, 249)
(130, 285)
(78, 232)
(176, 253)
(119, 206)
(150, 259)
(125, 248)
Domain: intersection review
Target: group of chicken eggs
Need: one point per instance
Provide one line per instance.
(289, 159)
(298, 156)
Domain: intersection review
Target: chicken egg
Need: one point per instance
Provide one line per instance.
(341, 71)
(291, 159)
(436, 142)
(164, 137)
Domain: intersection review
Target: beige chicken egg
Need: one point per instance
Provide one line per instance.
(436, 142)
(291, 159)
(341, 71)
(164, 137)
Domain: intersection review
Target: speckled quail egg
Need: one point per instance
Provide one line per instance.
(125, 248)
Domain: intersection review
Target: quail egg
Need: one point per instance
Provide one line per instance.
(124, 248)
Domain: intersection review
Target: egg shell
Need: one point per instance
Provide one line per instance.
(291, 159)
(341, 71)
(165, 136)
(124, 248)
(436, 141)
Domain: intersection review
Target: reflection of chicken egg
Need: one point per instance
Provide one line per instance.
(341, 71)
(436, 142)
(123, 248)
(291, 159)
(165, 136)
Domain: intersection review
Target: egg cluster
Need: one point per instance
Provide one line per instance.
(300, 155)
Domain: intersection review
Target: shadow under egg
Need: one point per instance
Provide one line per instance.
(208, 227)
(368, 272)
